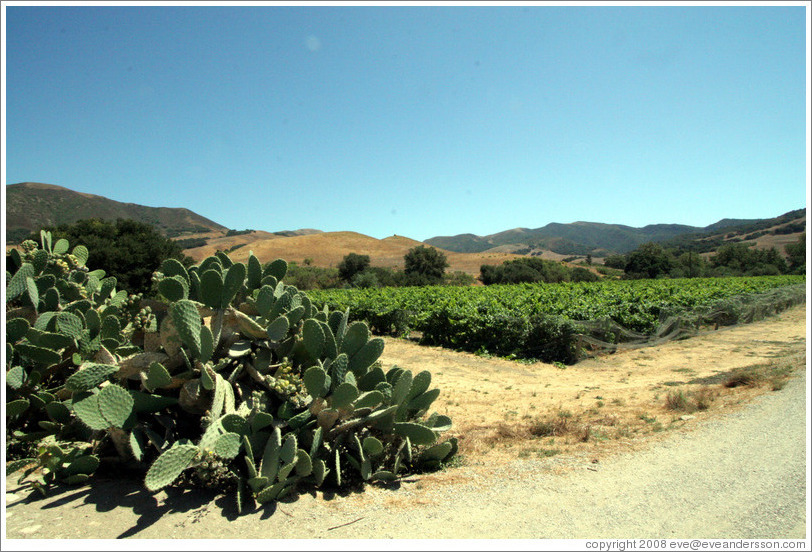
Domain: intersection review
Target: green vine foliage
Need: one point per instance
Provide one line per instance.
(231, 379)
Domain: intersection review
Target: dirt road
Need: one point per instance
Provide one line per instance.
(733, 472)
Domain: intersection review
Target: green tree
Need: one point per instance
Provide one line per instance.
(425, 265)
(351, 265)
(797, 255)
(615, 261)
(649, 260)
(127, 249)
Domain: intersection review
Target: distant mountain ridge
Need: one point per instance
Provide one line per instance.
(594, 238)
(31, 206)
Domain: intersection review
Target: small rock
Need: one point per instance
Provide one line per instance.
(30, 529)
(686, 417)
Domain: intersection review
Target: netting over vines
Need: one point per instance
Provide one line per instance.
(605, 335)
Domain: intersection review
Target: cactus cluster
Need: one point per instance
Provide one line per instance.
(230, 379)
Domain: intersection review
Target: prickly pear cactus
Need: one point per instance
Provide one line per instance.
(229, 378)
(69, 335)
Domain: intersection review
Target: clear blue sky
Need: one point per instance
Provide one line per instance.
(416, 121)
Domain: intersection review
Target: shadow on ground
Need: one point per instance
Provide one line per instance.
(107, 493)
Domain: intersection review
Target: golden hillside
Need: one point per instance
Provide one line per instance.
(327, 249)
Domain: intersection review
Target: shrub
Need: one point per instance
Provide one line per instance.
(351, 265)
(424, 266)
(231, 380)
(676, 400)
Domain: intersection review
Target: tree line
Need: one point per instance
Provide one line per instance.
(652, 260)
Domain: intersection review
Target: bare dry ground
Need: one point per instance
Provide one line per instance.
(530, 435)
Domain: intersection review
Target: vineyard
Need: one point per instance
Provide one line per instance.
(568, 321)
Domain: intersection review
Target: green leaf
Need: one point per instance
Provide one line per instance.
(40, 355)
(16, 329)
(173, 267)
(85, 465)
(58, 412)
(254, 272)
(278, 329)
(187, 321)
(89, 375)
(69, 324)
(158, 376)
(265, 300)
(16, 407)
(115, 405)
(40, 260)
(227, 445)
(315, 379)
(417, 434)
(86, 408)
(168, 466)
(174, 288)
(17, 285)
(313, 336)
(356, 337)
(206, 344)
(232, 283)
(61, 246)
(344, 395)
(277, 269)
(15, 378)
(211, 288)
(33, 292)
(81, 254)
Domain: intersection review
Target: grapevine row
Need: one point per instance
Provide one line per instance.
(544, 320)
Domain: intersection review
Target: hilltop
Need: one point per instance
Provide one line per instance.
(31, 206)
(327, 249)
(599, 239)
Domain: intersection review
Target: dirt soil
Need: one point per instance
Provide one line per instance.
(524, 429)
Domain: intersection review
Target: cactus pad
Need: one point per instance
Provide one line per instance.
(89, 375)
(168, 466)
(115, 405)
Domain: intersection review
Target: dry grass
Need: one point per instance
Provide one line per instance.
(327, 249)
(502, 410)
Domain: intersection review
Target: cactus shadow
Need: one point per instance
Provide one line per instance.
(106, 495)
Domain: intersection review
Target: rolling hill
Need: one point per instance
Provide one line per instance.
(327, 249)
(30, 206)
(599, 239)
(33, 205)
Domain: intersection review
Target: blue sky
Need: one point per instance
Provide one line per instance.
(414, 120)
